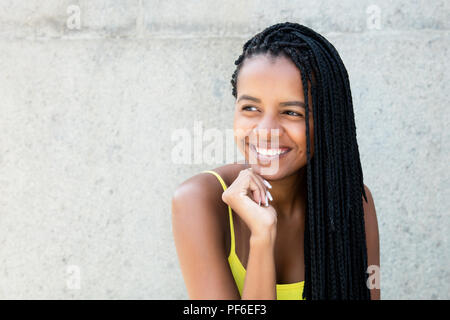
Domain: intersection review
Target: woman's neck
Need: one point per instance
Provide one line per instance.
(289, 194)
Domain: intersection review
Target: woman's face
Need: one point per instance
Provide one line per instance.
(269, 118)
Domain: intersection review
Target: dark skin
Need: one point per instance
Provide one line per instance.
(200, 217)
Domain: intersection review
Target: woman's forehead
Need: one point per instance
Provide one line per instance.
(262, 74)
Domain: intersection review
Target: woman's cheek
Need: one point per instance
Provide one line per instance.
(241, 138)
(301, 138)
(298, 134)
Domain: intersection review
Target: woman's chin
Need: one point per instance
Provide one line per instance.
(267, 172)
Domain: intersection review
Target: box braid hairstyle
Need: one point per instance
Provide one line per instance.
(334, 240)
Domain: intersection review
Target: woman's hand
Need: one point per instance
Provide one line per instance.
(249, 198)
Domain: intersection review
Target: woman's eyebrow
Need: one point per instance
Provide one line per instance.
(246, 97)
(287, 103)
(293, 103)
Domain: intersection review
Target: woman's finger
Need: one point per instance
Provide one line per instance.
(262, 189)
(266, 184)
(256, 196)
(254, 188)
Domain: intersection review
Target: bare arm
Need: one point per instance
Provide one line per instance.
(373, 244)
(260, 280)
(200, 245)
(199, 240)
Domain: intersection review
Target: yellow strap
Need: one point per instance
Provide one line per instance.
(224, 186)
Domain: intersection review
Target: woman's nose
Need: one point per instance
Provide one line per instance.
(268, 129)
(268, 122)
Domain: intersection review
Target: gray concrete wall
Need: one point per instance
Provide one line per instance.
(92, 92)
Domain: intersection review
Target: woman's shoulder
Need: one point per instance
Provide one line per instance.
(197, 202)
(229, 172)
(203, 190)
(204, 184)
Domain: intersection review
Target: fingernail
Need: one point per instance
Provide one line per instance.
(267, 201)
(267, 184)
(270, 196)
(259, 204)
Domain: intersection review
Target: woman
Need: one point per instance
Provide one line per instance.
(295, 221)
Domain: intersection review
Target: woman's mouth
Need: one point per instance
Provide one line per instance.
(269, 154)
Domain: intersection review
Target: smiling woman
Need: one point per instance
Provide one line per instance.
(314, 234)
(272, 100)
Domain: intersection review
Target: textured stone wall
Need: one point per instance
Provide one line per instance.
(93, 91)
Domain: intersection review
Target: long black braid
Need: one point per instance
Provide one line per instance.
(334, 241)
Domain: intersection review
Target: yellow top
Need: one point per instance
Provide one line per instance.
(289, 291)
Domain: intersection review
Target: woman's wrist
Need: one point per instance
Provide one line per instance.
(265, 238)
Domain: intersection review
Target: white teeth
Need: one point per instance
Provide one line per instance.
(269, 152)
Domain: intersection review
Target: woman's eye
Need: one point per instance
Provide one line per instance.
(293, 113)
(248, 108)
